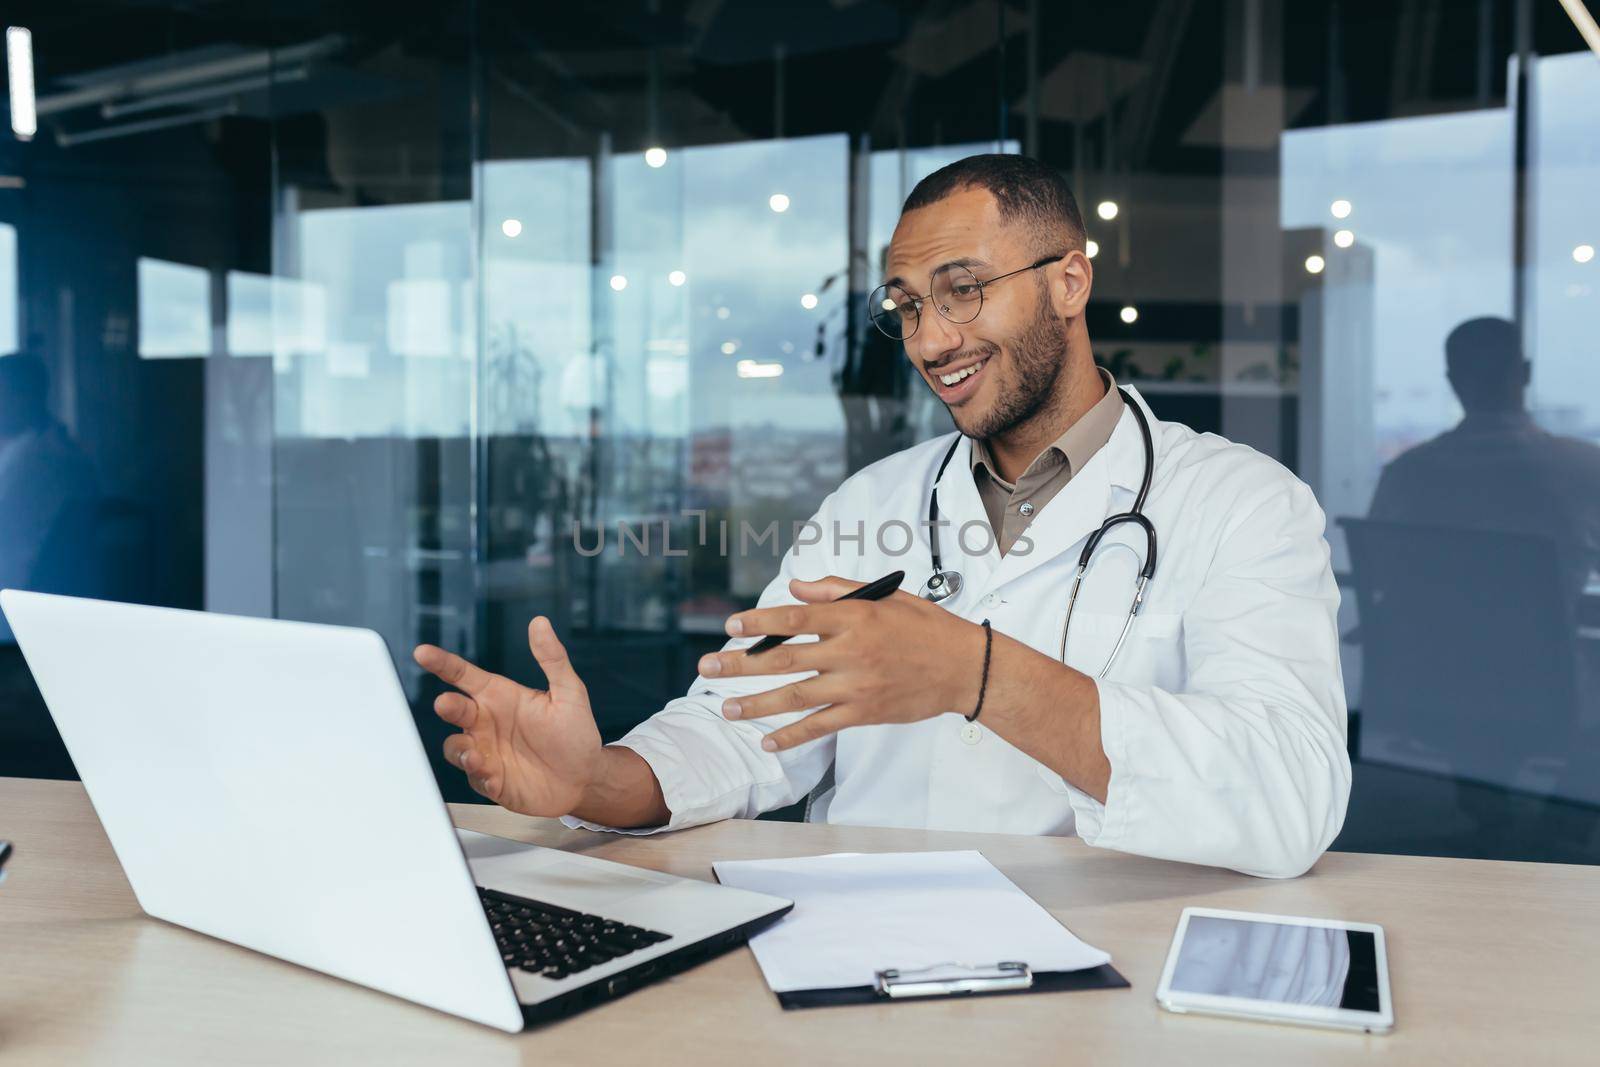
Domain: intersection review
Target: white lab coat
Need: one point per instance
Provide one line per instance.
(1223, 717)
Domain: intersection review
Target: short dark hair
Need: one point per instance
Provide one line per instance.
(1026, 190)
(1483, 341)
(1483, 358)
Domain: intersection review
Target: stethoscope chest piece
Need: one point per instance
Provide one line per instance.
(941, 585)
(944, 584)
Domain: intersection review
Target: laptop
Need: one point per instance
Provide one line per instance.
(263, 782)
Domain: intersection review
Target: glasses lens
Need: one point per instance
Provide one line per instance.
(893, 312)
(956, 293)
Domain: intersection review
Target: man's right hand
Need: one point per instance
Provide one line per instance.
(530, 750)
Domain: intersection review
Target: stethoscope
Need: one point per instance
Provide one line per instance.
(943, 584)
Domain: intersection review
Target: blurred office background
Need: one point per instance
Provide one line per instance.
(381, 314)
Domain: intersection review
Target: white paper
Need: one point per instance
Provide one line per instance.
(856, 914)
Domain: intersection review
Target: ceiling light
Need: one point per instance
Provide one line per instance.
(1130, 314)
(1344, 238)
(1091, 248)
(511, 227)
(778, 202)
(723, 313)
(1340, 209)
(749, 368)
(655, 156)
(808, 301)
(1583, 253)
(619, 282)
(1314, 264)
(1106, 209)
(19, 61)
(730, 347)
(676, 278)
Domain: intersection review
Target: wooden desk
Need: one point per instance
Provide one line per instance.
(1491, 963)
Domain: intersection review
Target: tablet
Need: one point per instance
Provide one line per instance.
(1278, 968)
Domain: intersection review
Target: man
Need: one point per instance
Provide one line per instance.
(1497, 470)
(1217, 733)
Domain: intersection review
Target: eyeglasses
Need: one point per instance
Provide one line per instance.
(955, 292)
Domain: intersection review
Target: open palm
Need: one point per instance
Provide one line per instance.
(529, 750)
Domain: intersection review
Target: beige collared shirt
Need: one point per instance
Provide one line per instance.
(1012, 508)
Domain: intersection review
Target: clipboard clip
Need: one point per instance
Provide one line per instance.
(953, 979)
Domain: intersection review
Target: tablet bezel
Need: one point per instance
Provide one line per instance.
(1181, 1002)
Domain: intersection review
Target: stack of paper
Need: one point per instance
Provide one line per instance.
(857, 914)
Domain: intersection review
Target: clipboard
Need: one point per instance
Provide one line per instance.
(944, 981)
(853, 913)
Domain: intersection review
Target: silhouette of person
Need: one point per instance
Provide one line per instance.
(1497, 470)
(43, 472)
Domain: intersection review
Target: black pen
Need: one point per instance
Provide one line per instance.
(877, 590)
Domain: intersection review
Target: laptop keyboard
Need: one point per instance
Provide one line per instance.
(556, 942)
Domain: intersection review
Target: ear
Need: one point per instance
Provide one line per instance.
(1070, 283)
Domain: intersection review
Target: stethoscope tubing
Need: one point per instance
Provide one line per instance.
(943, 584)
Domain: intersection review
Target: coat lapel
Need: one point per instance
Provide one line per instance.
(1107, 483)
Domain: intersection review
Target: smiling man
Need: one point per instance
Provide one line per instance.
(1125, 628)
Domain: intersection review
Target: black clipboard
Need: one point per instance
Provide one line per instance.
(1002, 979)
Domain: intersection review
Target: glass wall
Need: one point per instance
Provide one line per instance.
(1436, 245)
(432, 319)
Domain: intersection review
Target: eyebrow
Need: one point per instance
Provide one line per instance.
(968, 262)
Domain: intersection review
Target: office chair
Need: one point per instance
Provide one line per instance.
(1470, 658)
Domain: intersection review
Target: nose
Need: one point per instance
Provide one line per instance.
(936, 339)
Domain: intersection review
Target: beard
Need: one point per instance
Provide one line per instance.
(1037, 358)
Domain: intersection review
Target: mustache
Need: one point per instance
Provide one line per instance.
(986, 352)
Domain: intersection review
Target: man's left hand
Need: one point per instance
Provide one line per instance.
(900, 659)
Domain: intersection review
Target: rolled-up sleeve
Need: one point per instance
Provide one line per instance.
(1247, 768)
(710, 768)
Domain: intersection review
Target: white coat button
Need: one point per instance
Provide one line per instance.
(971, 733)
(991, 600)
(1025, 508)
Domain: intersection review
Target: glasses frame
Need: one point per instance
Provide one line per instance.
(917, 301)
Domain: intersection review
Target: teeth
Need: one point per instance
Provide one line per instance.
(967, 372)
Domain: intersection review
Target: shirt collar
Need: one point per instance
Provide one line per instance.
(1074, 447)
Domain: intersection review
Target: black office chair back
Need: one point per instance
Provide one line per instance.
(1468, 647)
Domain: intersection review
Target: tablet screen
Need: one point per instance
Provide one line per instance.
(1314, 965)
